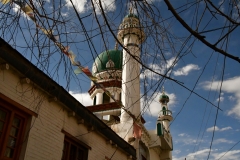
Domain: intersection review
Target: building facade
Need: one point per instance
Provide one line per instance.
(41, 120)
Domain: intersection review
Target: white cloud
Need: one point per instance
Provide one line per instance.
(222, 6)
(228, 86)
(200, 153)
(226, 128)
(184, 71)
(221, 99)
(230, 155)
(16, 9)
(83, 98)
(181, 134)
(108, 5)
(185, 140)
(83, 5)
(218, 129)
(222, 140)
(159, 68)
(177, 151)
(215, 154)
(212, 128)
(80, 5)
(231, 98)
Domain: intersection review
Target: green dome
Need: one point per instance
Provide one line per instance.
(108, 60)
(131, 15)
(164, 98)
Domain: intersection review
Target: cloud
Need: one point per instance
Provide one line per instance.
(177, 151)
(80, 5)
(108, 6)
(221, 99)
(222, 140)
(228, 86)
(83, 5)
(83, 98)
(200, 153)
(185, 140)
(218, 129)
(226, 128)
(184, 71)
(231, 98)
(215, 154)
(182, 134)
(159, 68)
(16, 9)
(153, 107)
(230, 155)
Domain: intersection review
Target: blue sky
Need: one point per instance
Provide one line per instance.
(201, 69)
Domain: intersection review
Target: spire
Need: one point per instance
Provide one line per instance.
(163, 92)
(130, 10)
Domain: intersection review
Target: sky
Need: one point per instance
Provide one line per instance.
(195, 66)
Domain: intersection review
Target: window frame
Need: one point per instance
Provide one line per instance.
(12, 112)
(73, 141)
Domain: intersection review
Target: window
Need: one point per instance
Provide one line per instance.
(12, 128)
(74, 149)
(106, 98)
(143, 158)
(94, 100)
(110, 64)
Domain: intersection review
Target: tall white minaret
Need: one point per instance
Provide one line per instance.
(131, 35)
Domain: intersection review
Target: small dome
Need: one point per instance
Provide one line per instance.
(108, 60)
(131, 15)
(164, 99)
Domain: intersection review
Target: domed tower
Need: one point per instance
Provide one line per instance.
(131, 35)
(107, 67)
(163, 130)
(165, 115)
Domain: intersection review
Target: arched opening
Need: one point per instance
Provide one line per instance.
(94, 100)
(164, 110)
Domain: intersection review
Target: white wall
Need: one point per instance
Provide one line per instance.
(45, 140)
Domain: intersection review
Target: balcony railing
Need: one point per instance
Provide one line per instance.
(165, 113)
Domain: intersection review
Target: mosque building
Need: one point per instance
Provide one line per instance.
(118, 72)
(39, 119)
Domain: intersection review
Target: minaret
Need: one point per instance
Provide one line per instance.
(131, 35)
(163, 130)
(165, 115)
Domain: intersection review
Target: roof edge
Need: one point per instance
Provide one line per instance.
(25, 67)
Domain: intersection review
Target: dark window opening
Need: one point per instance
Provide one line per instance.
(106, 98)
(94, 100)
(143, 158)
(73, 150)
